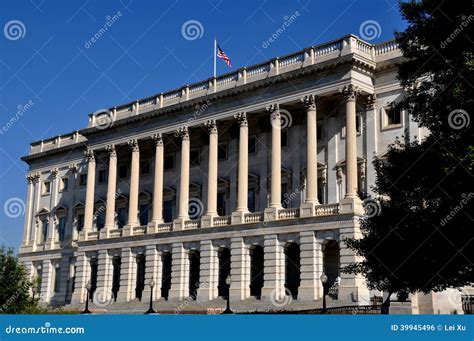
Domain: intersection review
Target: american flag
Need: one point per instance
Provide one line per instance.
(222, 55)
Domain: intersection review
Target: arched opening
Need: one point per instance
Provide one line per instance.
(140, 284)
(292, 269)
(256, 271)
(331, 261)
(94, 267)
(166, 275)
(116, 264)
(194, 265)
(224, 272)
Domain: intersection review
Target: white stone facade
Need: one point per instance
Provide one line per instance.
(274, 159)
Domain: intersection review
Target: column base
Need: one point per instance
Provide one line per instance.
(308, 209)
(82, 236)
(237, 217)
(178, 224)
(127, 231)
(238, 293)
(351, 205)
(271, 213)
(153, 226)
(104, 233)
(208, 220)
(310, 293)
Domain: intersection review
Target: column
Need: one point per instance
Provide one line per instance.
(134, 183)
(239, 270)
(126, 292)
(371, 126)
(46, 281)
(82, 277)
(36, 200)
(183, 200)
(271, 212)
(153, 270)
(209, 272)
(72, 181)
(212, 174)
(274, 268)
(157, 212)
(89, 205)
(111, 191)
(53, 228)
(311, 267)
(29, 212)
(179, 272)
(242, 191)
(309, 207)
(103, 293)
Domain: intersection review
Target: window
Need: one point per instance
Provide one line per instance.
(168, 211)
(46, 187)
(320, 132)
(195, 157)
(393, 116)
(285, 138)
(63, 184)
(57, 278)
(359, 123)
(145, 167)
(83, 179)
(252, 144)
(251, 199)
(80, 222)
(123, 171)
(222, 151)
(121, 217)
(221, 203)
(101, 219)
(102, 176)
(285, 199)
(168, 161)
(62, 228)
(144, 213)
(44, 231)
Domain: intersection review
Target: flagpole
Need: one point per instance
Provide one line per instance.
(215, 54)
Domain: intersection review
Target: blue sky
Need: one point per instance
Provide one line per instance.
(48, 63)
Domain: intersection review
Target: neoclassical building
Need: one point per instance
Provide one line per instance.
(259, 174)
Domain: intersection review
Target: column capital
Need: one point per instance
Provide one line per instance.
(182, 133)
(274, 109)
(89, 154)
(157, 138)
(73, 168)
(350, 92)
(241, 117)
(133, 143)
(111, 150)
(371, 101)
(211, 126)
(54, 173)
(309, 101)
(30, 178)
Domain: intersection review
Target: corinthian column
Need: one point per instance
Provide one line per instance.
(352, 203)
(183, 205)
(309, 207)
(157, 214)
(90, 187)
(28, 212)
(242, 193)
(111, 189)
(271, 212)
(134, 182)
(207, 219)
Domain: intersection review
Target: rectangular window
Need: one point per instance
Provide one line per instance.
(285, 139)
(168, 211)
(251, 199)
(121, 217)
(144, 213)
(168, 161)
(222, 151)
(359, 123)
(145, 167)
(102, 176)
(46, 187)
(123, 171)
(252, 144)
(80, 222)
(285, 199)
(57, 278)
(195, 157)
(221, 203)
(83, 179)
(101, 219)
(44, 231)
(63, 184)
(393, 116)
(62, 228)
(319, 132)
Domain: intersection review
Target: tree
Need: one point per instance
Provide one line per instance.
(15, 285)
(421, 238)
